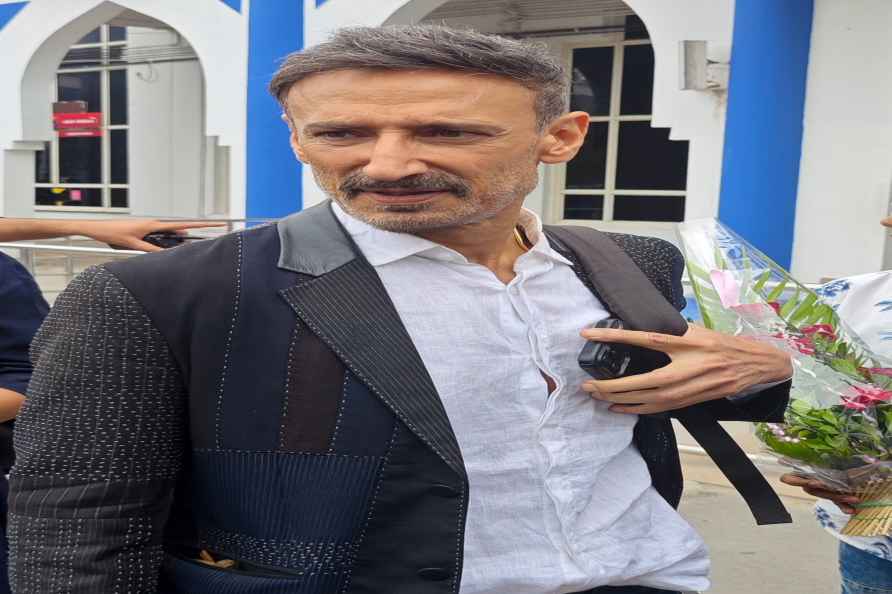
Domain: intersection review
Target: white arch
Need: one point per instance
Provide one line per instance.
(217, 33)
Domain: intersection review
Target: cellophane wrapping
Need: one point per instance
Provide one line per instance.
(838, 425)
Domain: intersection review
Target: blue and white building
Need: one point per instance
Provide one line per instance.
(773, 115)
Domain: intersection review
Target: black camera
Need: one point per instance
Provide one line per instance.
(605, 360)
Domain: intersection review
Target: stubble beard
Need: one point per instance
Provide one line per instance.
(504, 189)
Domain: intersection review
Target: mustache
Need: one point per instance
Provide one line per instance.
(434, 181)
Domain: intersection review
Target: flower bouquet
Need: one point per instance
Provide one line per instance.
(838, 426)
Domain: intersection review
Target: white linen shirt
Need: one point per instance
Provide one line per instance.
(560, 499)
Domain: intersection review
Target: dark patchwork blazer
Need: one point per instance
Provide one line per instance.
(257, 397)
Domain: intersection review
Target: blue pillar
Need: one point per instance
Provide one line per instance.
(763, 130)
(276, 28)
(8, 11)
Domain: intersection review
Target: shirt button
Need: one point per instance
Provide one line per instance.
(443, 490)
(433, 574)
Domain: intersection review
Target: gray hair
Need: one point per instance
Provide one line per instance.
(415, 47)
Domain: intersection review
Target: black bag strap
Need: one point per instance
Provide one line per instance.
(630, 295)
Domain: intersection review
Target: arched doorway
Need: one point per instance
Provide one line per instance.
(147, 152)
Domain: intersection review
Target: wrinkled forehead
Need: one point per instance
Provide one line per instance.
(435, 93)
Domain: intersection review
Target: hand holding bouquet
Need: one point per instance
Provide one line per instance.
(838, 426)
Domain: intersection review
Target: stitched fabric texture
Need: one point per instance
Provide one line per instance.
(99, 442)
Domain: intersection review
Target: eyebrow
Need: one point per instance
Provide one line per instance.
(448, 124)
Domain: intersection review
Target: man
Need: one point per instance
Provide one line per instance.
(23, 308)
(379, 394)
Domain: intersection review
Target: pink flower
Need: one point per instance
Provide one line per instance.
(862, 398)
(853, 404)
(803, 344)
(879, 371)
(775, 306)
(825, 330)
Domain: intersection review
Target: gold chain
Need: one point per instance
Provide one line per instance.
(520, 239)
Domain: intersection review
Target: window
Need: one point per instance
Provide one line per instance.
(92, 171)
(626, 170)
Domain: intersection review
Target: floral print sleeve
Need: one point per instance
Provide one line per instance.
(864, 303)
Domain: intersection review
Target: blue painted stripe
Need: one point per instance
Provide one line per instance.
(235, 5)
(8, 11)
(276, 28)
(763, 130)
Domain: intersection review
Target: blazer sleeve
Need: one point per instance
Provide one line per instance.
(99, 444)
(664, 265)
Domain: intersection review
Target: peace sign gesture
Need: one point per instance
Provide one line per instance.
(705, 365)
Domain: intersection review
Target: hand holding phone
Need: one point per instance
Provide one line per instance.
(605, 360)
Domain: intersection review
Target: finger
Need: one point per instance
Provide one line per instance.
(174, 226)
(663, 401)
(794, 480)
(658, 378)
(648, 340)
(834, 496)
(140, 245)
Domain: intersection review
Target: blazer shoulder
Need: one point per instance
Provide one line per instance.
(196, 270)
(660, 260)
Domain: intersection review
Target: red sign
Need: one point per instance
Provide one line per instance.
(89, 119)
(75, 133)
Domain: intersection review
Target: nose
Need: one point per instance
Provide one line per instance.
(393, 157)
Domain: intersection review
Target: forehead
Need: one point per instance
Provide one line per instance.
(426, 93)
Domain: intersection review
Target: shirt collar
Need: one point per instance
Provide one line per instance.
(382, 247)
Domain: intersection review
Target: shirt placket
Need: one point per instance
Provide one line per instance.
(540, 344)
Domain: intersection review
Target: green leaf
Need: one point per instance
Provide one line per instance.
(788, 307)
(760, 282)
(804, 310)
(777, 291)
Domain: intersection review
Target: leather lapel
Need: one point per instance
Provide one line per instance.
(347, 306)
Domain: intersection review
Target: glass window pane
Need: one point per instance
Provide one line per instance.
(116, 55)
(42, 169)
(648, 160)
(80, 160)
(648, 208)
(83, 86)
(638, 80)
(584, 207)
(118, 156)
(635, 28)
(91, 37)
(587, 170)
(82, 57)
(119, 197)
(117, 82)
(68, 196)
(592, 74)
(117, 33)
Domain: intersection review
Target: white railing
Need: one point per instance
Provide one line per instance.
(54, 263)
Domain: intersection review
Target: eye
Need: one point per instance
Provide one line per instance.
(335, 134)
(446, 133)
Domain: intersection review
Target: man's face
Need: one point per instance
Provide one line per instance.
(417, 150)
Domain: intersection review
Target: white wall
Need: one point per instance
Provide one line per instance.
(692, 115)
(166, 132)
(845, 175)
(43, 29)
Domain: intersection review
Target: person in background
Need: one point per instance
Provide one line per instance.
(23, 309)
(127, 234)
(864, 303)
